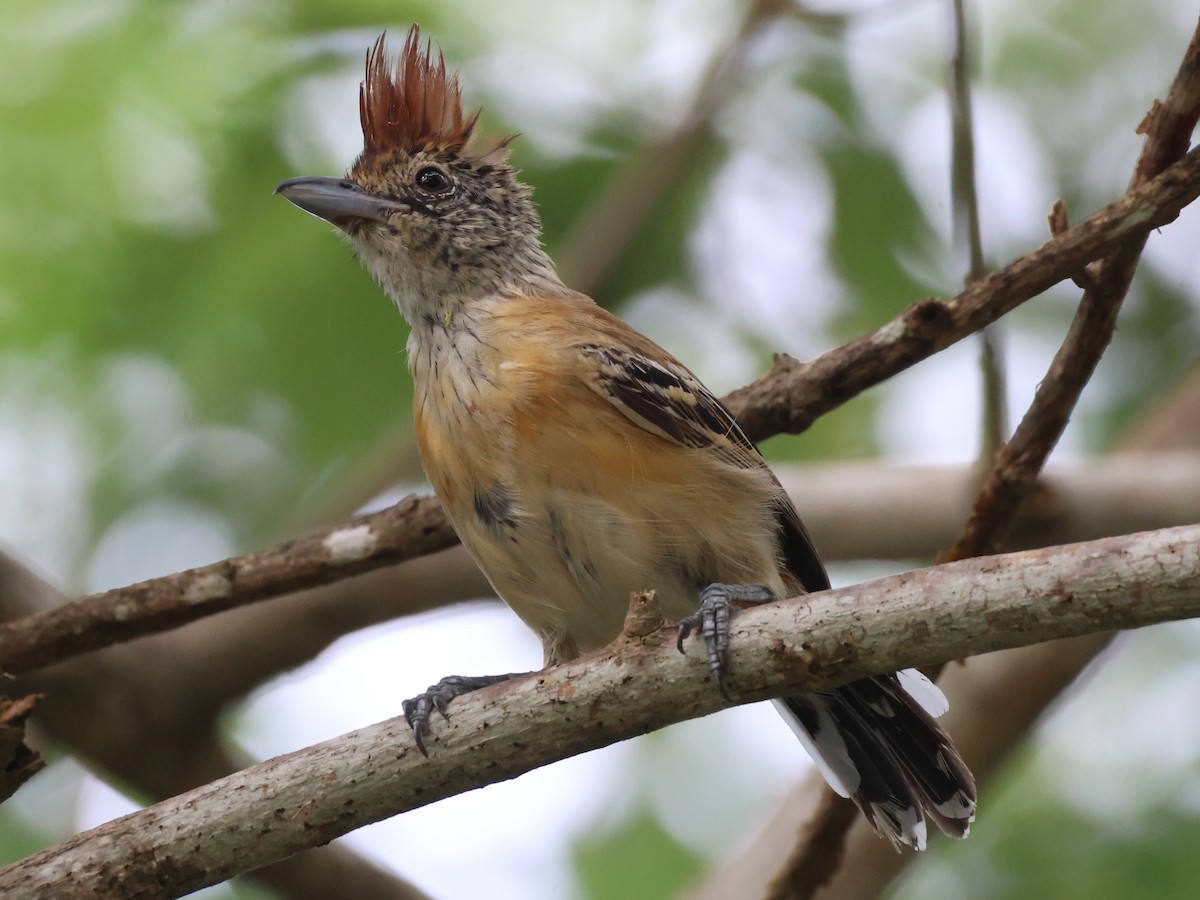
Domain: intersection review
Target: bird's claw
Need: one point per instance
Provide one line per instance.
(437, 697)
(717, 605)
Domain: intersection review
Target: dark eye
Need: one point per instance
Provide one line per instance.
(432, 180)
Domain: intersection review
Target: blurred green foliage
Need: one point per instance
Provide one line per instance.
(639, 853)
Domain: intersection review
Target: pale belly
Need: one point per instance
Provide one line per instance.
(567, 562)
(567, 569)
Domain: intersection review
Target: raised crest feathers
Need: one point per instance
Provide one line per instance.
(416, 104)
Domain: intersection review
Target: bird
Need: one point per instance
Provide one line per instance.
(579, 461)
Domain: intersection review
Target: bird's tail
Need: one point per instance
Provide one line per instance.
(875, 740)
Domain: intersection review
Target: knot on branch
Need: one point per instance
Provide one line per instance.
(644, 616)
(929, 315)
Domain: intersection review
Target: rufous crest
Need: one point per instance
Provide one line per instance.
(414, 105)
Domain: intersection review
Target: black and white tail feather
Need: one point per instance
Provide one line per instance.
(875, 741)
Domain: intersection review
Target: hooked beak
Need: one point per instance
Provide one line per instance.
(338, 201)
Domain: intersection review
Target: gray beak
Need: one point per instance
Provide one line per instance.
(336, 200)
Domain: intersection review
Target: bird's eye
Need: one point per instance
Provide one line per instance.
(432, 180)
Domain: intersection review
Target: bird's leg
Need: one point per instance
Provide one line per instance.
(438, 696)
(717, 605)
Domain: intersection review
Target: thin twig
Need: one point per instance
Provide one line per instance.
(995, 392)
(968, 238)
(813, 642)
(963, 189)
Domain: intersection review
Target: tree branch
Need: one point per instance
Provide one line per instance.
(790, 397)
(1014, 470)
(1013, 476)
(309, 797)
(413, 527)
(850, 509)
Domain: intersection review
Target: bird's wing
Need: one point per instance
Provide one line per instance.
(664, 398)
(658, 394)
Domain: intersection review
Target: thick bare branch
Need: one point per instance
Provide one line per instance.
(850, 508)
(309, 797)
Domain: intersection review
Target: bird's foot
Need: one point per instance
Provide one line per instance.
(717, 605)
(438, 696)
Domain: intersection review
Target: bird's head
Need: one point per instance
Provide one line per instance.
(435, 213)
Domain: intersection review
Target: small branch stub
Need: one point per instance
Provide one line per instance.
(644, 616)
